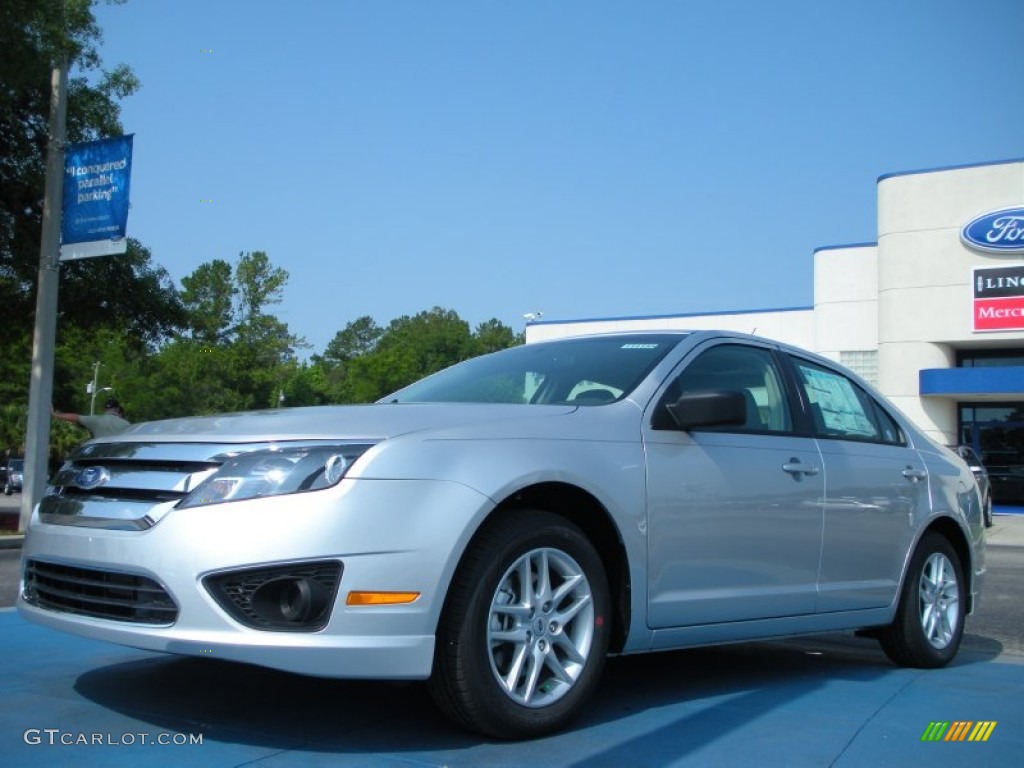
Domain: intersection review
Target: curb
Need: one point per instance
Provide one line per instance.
(1007, 531)
(12, 542)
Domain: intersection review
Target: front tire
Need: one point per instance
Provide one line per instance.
(987, 512)
(524, 632)
(929, 621)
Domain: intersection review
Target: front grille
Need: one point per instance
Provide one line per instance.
(131, 486)
(126, 486)
(97, 593)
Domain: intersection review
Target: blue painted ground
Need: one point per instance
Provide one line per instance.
(833, 701)
(1005, 510)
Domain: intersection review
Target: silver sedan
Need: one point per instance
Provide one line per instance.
(502, 526)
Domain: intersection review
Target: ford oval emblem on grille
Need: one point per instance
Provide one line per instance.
(92, 477)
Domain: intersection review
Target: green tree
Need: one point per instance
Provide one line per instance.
(13, 421)
(36, 35)
(357, 338)
(237, 355)
(264, 345)
(493, 335)
(363, 363)
(410, 348)
(208, 297)
(303, 384)
(188, 378)
(119, 307)
(128, 293)
(260, 284)
(119, 322)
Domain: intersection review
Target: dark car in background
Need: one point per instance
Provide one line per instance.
(13, 475)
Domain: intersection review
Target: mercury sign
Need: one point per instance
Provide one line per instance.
(999, 231)
(95, 211)
(999, 299)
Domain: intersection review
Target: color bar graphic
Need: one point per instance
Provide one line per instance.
(959, 730)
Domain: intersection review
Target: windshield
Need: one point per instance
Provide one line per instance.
(583, 371)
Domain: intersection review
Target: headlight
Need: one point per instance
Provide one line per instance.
(274, 473)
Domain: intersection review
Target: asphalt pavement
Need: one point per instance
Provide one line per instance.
(833, 700)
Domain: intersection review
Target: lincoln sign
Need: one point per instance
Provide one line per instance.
(999, 299)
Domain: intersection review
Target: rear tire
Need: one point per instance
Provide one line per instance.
(524, 632)
(929, 621)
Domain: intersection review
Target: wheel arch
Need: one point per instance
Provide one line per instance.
(949, 529)
(589, 515)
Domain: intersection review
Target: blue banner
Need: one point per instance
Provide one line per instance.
(97, 177)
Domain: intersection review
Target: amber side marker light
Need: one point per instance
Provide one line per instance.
(381, 598)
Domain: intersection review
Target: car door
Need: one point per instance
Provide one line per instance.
(734, 512)
(876, 486)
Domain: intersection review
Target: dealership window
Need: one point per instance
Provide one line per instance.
(1002, 359)
(996, 432)
(863, 362)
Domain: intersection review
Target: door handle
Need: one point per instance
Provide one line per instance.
(915, 474)
(795, 468)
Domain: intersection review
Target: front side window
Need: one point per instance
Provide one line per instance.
(752, 372)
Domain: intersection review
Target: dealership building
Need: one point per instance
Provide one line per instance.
(932, 313)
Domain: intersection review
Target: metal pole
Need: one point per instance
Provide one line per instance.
(40, 396)
(95, 383)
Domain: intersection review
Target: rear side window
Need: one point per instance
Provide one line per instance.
(891, 432)
(841, 408)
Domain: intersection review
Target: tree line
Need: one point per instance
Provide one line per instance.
(218, 347)
(211, 345)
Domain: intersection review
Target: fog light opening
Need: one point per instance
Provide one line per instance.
(292, 600)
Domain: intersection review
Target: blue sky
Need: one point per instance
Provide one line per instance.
(586, 158)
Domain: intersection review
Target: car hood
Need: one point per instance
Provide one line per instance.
(369, 423)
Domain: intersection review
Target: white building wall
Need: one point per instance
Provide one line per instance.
(925, 292)
(845, 300)
(906, 301)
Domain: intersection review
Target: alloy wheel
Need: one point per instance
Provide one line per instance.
(540, 627)
(939, 600)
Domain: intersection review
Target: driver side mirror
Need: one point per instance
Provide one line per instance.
(714, 408)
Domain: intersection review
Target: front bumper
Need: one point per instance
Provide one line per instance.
(387, 535)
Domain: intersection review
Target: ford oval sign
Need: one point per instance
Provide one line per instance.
(91, 477)
(999, 231)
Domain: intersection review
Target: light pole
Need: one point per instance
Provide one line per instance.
(40, 393)
(92, 387)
